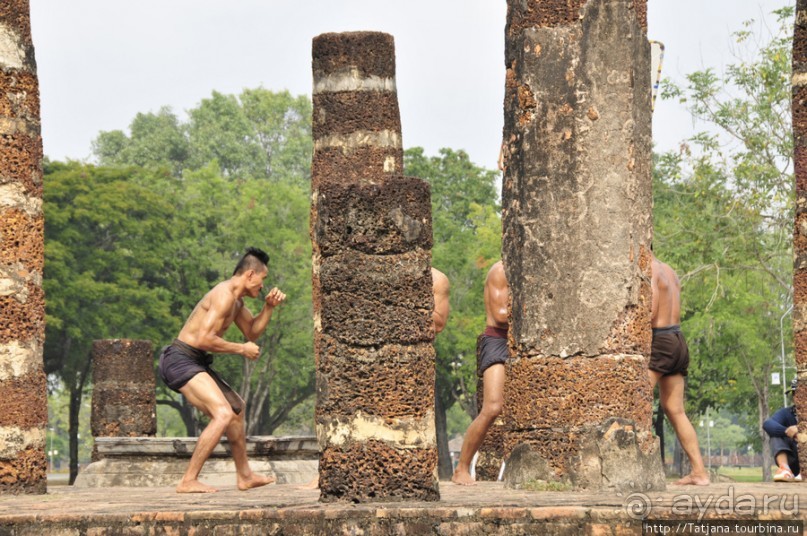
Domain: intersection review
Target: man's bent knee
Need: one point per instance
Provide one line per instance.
(223, 413)
(492, 409)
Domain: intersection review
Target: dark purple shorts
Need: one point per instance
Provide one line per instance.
(491, 348)
(180, 362)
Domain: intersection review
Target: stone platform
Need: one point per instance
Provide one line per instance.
(487, 508)
(161, 461)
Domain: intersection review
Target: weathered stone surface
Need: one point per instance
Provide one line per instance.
(22, 161)
(799, 119)
(359, 164)
(22, 101)
(371, 379)
(25, 472)
(378, 219)
(553, 13)
(571, 182)
(372, 323)
(345, 112)
(577, 232)
(371, 233)
(123, 400)
(368, 53)
(156, 462)
(403, 279)
(25, 403)
(372, 471)
(579, 391)
(613, 455)
(22, 315)
(525, 467)
(22, 305)
(123, 360)
(397, 433)
(14, 438)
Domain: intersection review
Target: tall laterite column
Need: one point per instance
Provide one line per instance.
(22, 301)
(372, 237)
(799, 105)
(576, 245)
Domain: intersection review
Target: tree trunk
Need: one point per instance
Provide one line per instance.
(658, 424)
(76, 394)
(444, 466)
(767, 458)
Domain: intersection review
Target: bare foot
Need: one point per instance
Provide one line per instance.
(693, 480)
(254, 481)
(314, 484)
(194, 486)
(463, 478)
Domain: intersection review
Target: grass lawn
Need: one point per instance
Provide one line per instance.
(742, 474)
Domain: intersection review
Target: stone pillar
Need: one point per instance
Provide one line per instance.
(124, 402)
(799, 88)
(576, 245)
(22, 301)
(372, 289)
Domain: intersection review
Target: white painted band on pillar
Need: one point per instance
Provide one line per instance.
(12, 54)
(351, 80)
(12, 195)
(14, 439)
(361, 138)
(405, 433)
(18, 360)
(799, 79)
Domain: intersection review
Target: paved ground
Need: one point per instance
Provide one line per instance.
(735, 499)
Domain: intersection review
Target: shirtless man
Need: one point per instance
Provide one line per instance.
(185, 366)
(493, 352)
(669, 360)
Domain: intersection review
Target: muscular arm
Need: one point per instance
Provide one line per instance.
(213, 322)
(253, 327)
(441, 287)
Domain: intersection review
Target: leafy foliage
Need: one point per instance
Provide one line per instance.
(723, 218)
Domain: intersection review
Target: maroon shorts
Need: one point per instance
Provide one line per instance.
(669, 353)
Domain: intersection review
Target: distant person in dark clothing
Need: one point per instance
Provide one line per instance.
(782, 429)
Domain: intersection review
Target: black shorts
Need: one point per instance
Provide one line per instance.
(669, 353)
(180, 362)
(491, 351)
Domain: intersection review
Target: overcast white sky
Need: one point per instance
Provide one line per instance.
(102, 61)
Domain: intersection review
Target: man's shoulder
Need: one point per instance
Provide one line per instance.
(222, 293)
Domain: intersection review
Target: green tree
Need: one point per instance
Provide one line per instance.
(723, 217)
(102, 250)
(156, 139)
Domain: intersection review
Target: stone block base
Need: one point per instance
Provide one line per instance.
(158, 462)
